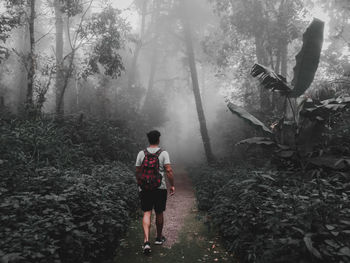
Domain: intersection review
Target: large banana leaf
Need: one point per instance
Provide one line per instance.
(270, 80)
(308, 58)
(243, 114)
(258, 141)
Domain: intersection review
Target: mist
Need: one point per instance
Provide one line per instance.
(252, 101)
(152, 76)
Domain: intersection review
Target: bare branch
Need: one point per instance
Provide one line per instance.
(81, 22)
(40, 38)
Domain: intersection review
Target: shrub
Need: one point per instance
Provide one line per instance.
(67, 216)
(65, 196)
(283, 217)
(27, 145)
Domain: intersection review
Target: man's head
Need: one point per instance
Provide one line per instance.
(153, 137)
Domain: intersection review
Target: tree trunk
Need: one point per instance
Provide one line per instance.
(2, 103)
(262, 59)
(31, 58)
(155, 50)
(195, 84)
(284, 59)
(138, 46)
(23, 46)
(59, 58)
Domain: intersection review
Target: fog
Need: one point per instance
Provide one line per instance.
(145, 72)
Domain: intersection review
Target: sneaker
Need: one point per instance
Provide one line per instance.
(147, 248)
(159, 241)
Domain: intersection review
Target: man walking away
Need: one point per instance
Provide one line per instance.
(151, 164)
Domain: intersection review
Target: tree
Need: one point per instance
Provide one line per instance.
(195, 84)
(139, 42)
(155, 50)
(59, 55)
(10, 18)
(265, 27)
(31, 57)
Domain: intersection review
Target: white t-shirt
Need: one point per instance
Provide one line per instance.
(163, 160)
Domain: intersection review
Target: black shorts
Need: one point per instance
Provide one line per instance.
(154, 199)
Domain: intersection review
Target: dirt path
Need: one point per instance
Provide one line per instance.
(178, 206)
(188, 238)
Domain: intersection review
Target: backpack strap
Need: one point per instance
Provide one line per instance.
(156, 153)
(159, 152)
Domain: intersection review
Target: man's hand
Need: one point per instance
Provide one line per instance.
(170, 175)
(172, 190)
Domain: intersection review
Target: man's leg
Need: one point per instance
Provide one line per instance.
(146, 223)
(159, 224)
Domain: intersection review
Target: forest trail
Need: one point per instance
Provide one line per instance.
(188, 238)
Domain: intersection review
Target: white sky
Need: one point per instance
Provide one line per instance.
(133, 18)
(130, 15)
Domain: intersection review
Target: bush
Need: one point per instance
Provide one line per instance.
(282, 217)
(65, 196)
(27, 145)
(67, 216)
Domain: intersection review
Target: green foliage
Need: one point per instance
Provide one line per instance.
(307, 62)
(10, 18)
(72, 7)
(108, 29)
(308, 58)
(242, 113)
(270, 80)
(257, 140)
(271, 216)
(67, 215)
(61, 196)
(210, 181)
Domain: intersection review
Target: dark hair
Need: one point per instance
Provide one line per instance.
(153, 137)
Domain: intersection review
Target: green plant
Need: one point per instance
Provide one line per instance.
(290, 136)
(68, 216)
(65, 194)
(278, 216)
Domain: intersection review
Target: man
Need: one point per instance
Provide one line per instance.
(153, 196)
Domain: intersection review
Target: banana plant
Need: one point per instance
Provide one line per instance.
(307, 61)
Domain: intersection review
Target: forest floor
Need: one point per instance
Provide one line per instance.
(189, 239)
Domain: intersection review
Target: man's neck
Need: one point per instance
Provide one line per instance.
(154, 146)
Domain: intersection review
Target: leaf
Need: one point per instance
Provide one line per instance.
(257, 140)
(331, 243)
(342, 161)
(310, 247)
(345, 222)
(242, 113)
(345, 251)
(330, 227)
(270, 80)
(327, 161)
(11, 257)
(286, 154)
(267, 177)
(308, 58)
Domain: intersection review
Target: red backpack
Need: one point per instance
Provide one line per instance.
(150, 177)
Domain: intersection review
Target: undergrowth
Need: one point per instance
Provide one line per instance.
(278, 216)
(66, 191)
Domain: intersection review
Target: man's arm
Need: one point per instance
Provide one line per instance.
(170, 175)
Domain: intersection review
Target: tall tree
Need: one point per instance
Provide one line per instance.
(154, 52)
(269, 26)
(31, 57)
(59, 55)
(195, 84)
(139, 41)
